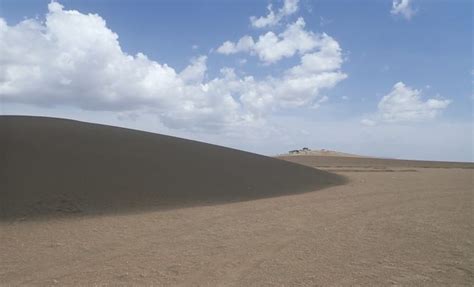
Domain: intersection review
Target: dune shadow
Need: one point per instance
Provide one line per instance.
(54, 167)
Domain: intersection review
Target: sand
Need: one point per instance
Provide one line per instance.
(52, 167)
(400, 223)
(334, 162)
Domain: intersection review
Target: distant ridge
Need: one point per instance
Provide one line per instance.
(320, 152)
(55, 166)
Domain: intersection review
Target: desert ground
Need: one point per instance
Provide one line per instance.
(92, 205)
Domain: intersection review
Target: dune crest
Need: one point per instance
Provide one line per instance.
(56, 166)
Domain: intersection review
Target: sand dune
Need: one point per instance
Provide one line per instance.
(54, 166)
(408, 224)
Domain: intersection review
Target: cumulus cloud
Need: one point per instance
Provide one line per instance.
(195, 72)
(403, 8)
(74, 59)
(273, 18)
(404, 104)
(270, 47)
(245, 44)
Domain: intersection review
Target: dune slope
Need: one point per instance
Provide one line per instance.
(55, 166)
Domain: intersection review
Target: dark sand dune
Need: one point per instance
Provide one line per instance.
(55, 166)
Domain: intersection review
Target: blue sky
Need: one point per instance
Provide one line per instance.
(384, 78)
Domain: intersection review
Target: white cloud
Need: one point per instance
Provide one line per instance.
(324, 22)
(242, 61)
(318, 103)
(368, 122)
(196, 71)
(273, 18)
(289, 7)
(404, 104)
(245, 44)
(270, 48)
(402, 7)
(74, 59)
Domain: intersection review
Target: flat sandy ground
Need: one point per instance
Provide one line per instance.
(393, 224)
